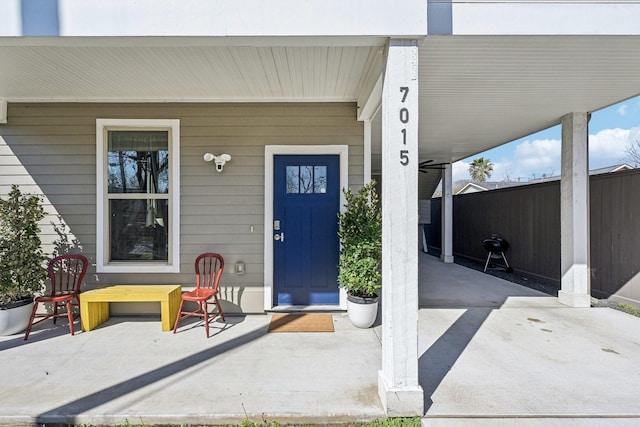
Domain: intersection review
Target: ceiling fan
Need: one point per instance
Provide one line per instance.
(428, 164)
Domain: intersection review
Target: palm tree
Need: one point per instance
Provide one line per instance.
(480, 169)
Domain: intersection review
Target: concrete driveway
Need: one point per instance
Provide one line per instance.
(498, 354)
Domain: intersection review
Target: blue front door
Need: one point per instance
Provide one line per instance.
(305, 227)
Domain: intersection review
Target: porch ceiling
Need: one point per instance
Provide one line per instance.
(480, 92)
(187, 69)
(476, 92)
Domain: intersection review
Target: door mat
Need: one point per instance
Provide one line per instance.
(301, 323)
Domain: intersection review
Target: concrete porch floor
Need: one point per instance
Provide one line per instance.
(492, 353)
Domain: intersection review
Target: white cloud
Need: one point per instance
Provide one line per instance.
(535, 158)
(622, 110)
(503, 171)
(538, 157)
(460, 170)
(608, 146)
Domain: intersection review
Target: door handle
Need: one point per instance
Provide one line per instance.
(279, 237)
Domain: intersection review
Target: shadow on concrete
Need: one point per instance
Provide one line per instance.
(60, 328)
(62, 413)
(216, 326)
(438, 360)
(454, 287)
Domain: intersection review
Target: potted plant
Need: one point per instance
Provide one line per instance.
(22, 273)
(360, 232)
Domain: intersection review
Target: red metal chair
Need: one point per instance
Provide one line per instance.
(66, 273)
(209, 268)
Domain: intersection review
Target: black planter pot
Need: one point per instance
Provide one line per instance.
(14, 317)
(361, 300)
(16, 304)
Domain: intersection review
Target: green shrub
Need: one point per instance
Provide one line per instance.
(360, 232)
(22, 273)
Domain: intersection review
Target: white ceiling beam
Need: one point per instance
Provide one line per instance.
(371, 105)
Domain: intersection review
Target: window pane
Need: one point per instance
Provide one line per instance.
(320, 179)
(138, 162)
(139, 229)
(293, 179)
(306, 179)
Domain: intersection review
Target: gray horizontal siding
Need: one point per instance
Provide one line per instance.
(50, 149)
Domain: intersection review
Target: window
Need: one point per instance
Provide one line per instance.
(138, 195)
(306, 179)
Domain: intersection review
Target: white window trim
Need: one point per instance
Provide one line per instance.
(269, 152)
(102, 227)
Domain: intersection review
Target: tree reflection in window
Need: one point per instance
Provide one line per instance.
(138, 164)
(306, 179)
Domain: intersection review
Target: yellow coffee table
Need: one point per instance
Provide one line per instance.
(94, 304)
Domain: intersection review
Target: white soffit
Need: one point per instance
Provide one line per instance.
(480, 92)
(476, 92)
(188, 70)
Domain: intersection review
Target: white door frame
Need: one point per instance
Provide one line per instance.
(269, 152)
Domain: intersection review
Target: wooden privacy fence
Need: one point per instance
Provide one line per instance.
(528, 217)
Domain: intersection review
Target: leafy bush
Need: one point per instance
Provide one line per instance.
(360, 232)
(22, 273)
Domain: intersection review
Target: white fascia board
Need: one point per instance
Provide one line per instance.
(151, 18)
(329, 17)
(544, 17)
(199, 41)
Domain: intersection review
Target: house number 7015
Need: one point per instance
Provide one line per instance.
(404, 119)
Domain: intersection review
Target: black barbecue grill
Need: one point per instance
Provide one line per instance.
(496, 247)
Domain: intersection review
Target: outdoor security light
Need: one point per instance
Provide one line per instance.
(219, 160)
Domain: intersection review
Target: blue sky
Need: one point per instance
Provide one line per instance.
(610, 131)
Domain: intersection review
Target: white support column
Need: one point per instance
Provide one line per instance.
(574, 212)
(367, 151)
(398, 385)
(446, 215)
